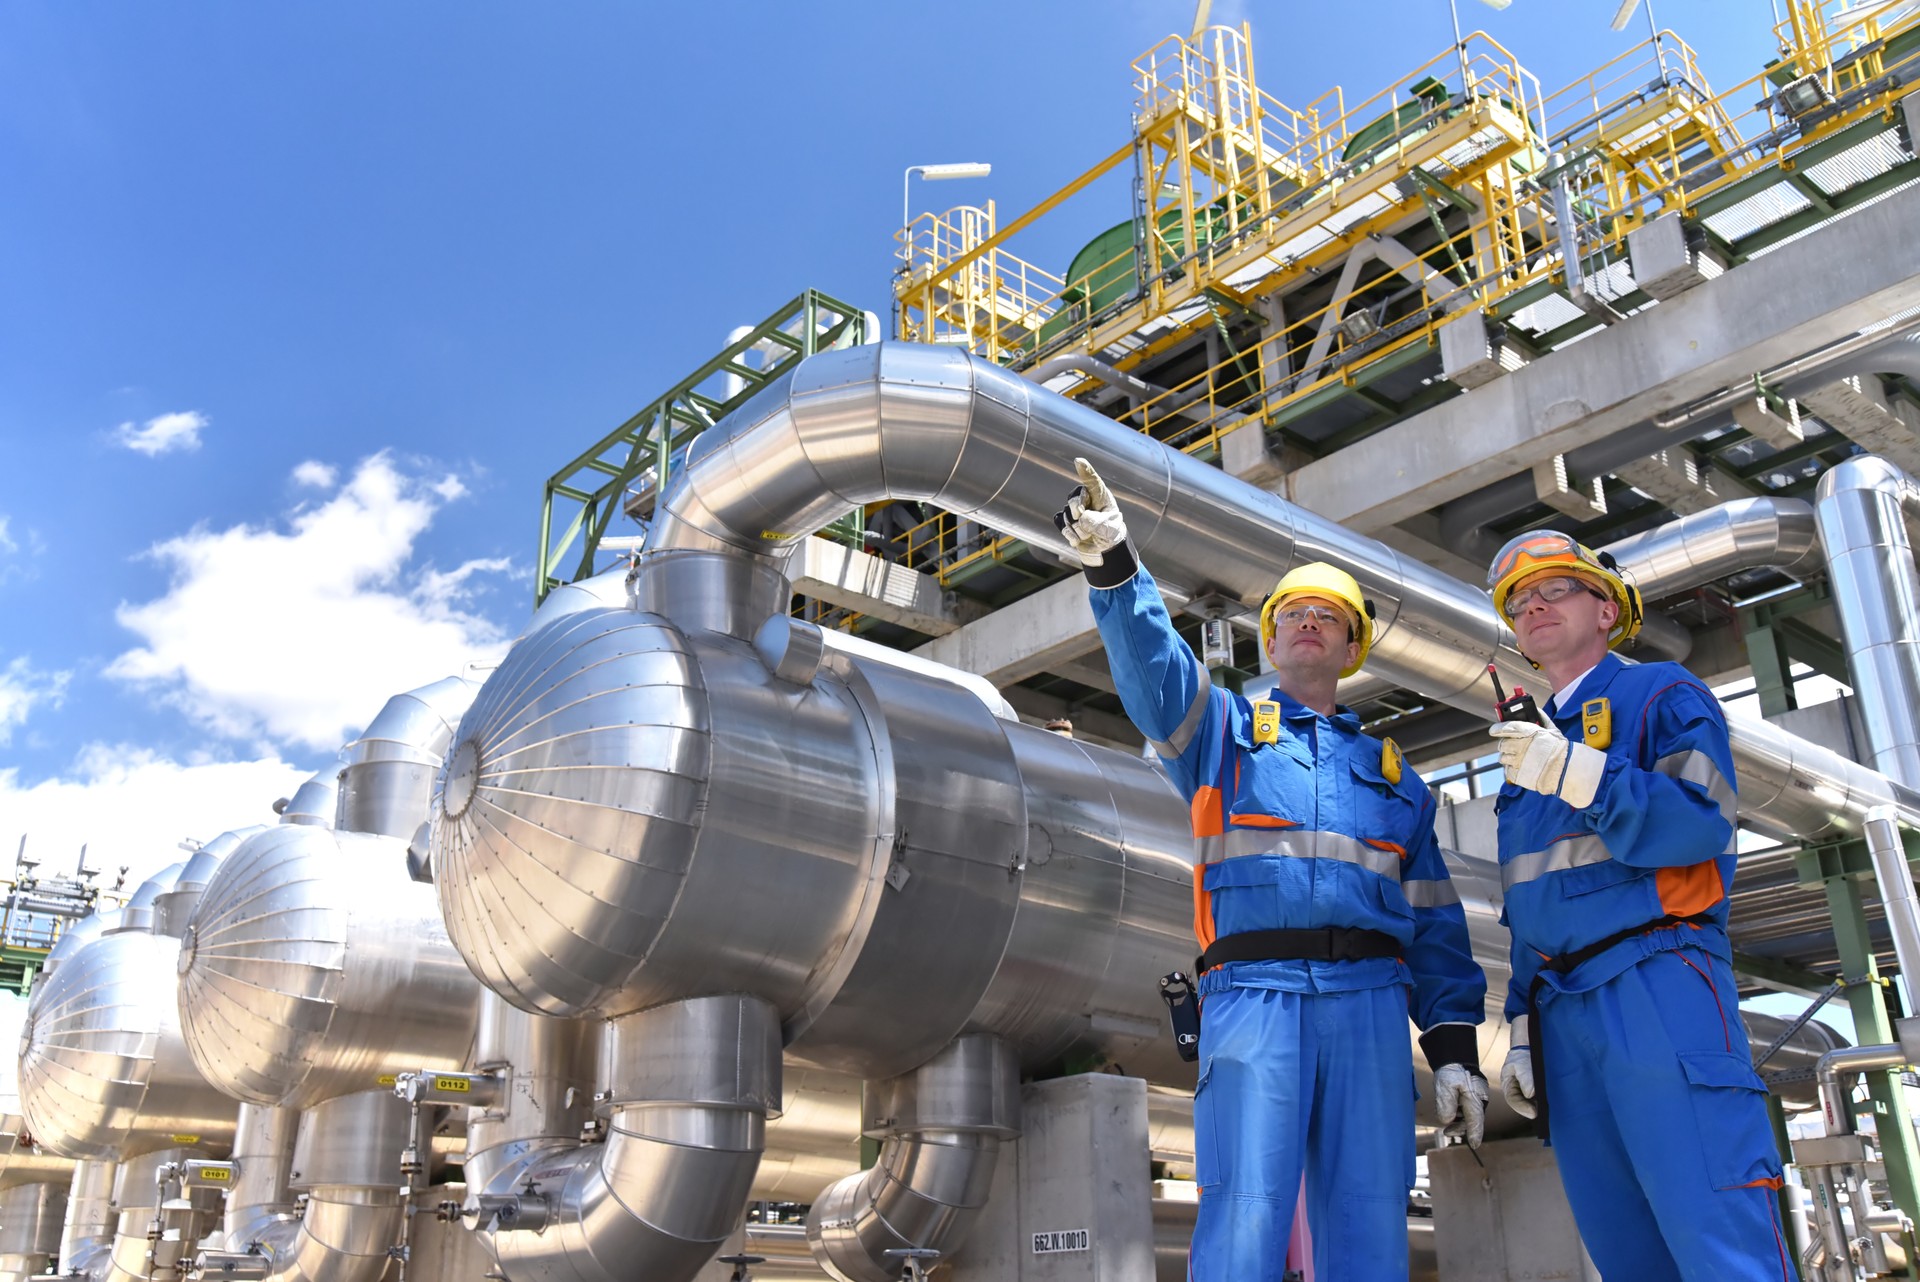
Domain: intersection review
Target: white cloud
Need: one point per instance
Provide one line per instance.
(315, 475)
(23, 688)
(298, 633)
(131, 806)
(163, 435)
(7, 543)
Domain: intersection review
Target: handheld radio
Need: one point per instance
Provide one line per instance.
(1520, 707)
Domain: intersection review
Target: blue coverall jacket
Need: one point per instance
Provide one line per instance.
(1304, 1064)
(1658, 1119)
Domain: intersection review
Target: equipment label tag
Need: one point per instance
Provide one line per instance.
(1061, 1240)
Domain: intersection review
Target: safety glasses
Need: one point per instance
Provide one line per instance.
(1557, 588)
(1324, 615)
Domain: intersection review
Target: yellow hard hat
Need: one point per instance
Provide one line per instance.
(1540, 552)
(1332, 583)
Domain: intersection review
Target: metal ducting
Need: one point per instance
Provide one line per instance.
(314, 964)
(139, 912)
(104, 1071)
(388, 778)
(936, 424)
(262, 1193)
(31, 1218)
(153, 1240)
(346, 1161)
(315, 802)
(75, 936)
(940, 1128)
(173, 906)
(1741, 534)
(548, 1065)
(618, 782)
(688, 1089)
(87, 1235)
(1864, 506)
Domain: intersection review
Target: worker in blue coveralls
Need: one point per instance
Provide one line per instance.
(1325, 916)
(1617, 826)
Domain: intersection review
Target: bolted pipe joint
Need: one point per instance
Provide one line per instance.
(941, 1126)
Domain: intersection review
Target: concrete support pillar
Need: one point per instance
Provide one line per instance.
(1505, 1216)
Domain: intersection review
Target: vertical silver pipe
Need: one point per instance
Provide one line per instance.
(548, 1063)
(1861, 505)
(263, 1158)
(1891, 870)
(89, 1226)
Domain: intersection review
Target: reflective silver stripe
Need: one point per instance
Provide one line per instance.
(1696, 767)
(1299, 843)
(1574, 852)
(1176, 743)
(1422, 893)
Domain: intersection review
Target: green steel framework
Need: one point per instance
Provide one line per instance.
(587, 493)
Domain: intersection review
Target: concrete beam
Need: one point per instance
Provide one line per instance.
(1033, 635)
(1804, 295)
(1858, 409)
(1678, 480)
(854, 580)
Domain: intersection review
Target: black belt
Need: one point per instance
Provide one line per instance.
(1563, 965)
(1329, 943)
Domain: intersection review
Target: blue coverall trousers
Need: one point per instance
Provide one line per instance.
(1660, 1125)
(1315, 1081)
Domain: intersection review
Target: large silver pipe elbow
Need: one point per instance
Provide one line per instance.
(692, 1085)
(941, 1126)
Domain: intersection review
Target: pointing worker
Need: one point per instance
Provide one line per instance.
(1616, 832)
(1324, 913)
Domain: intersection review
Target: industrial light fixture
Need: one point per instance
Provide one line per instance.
(1359, 326)
(937, 173)
(1797, 97)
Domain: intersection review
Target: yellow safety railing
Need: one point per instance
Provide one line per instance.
(1238, 195)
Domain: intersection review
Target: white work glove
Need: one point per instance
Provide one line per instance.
(1091, 521)
(1516, 1080)
(1542, 759)
(1460, 1098)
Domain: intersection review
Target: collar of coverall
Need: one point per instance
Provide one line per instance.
(1591, 686)
(1294, 710)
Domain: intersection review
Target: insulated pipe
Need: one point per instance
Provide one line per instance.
(1741, 534)
(347, 1162)
(1895, 875)
(388, 778)
(88, 1232)
(313, 964)
(152, 1241)
(315, 802)
(935, 424)
(104, 1070)
(689, 1089)
(263, 1160)
(1864, 504)
(31, 1216)
(174, 906)
(548, 1065)
(940, 1128)
(1835, 1111)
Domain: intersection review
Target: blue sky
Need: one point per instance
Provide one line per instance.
(299, 304)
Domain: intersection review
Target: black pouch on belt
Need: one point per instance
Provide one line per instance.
(1183, 1008)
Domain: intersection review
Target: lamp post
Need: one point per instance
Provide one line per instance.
(931, 173)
